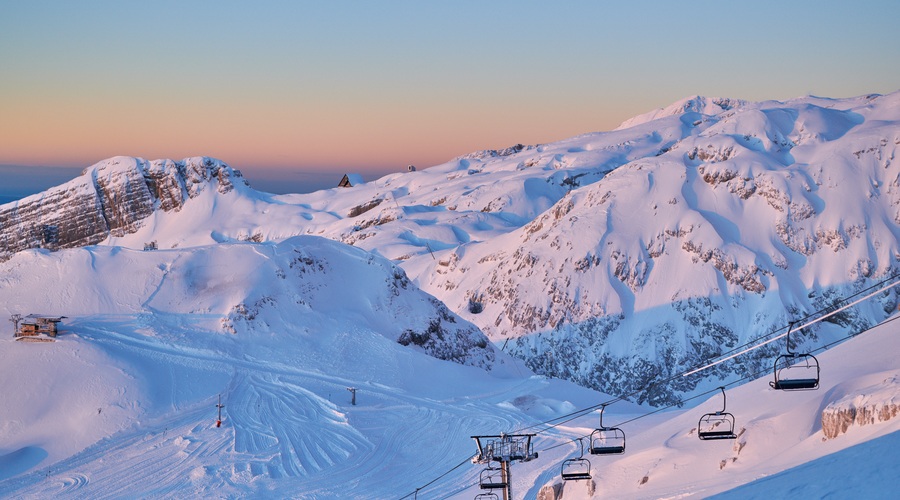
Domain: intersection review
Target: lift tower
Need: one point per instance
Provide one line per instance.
(503, 449)
(219, 406)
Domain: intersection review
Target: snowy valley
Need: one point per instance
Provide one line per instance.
(489, 294)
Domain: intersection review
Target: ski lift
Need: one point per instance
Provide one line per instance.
(576, 469)
(718, 425)
(487, 496)
(795, 371)
(607, 440)
(219, 406)
(491, 478)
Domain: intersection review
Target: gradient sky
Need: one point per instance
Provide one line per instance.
(280, 87)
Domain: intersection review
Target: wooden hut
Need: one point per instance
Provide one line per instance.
(350, 180)
(38, 324)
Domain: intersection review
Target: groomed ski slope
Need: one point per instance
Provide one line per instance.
(777, 431)
(849, 473)
(123, 405)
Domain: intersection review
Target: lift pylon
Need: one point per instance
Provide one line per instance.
(505, 449)
(219, 406)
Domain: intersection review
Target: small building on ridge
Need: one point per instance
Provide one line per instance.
(350, 180)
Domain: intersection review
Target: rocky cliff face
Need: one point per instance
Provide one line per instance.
(873, 405)
(748, 217)
(110, 198)
(614, 259)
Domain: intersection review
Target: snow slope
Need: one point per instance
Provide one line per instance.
(123, 404)
(612, 259)
(682, 233)
(850, 473)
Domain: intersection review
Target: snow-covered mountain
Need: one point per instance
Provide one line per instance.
(613, 259)
(123, 403)
(154, 333)
(679, 235)
(112, 198)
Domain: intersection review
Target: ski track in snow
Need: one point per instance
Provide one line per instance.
(274, 427)
(285, 436)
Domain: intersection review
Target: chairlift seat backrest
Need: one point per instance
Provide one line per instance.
(797, 372)
(708, 426)
(576, 469)
(491, 478)
(607, 441)
(795, 384)
(718, 425)
(717, 435)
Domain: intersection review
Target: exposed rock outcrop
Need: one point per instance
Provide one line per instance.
(110, 198)
(873, 405)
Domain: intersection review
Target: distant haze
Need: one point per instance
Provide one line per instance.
(17, 181)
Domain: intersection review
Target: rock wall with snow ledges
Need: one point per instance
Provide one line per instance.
(756, 216)
(110, 198)
(868, 406)
(611, 258)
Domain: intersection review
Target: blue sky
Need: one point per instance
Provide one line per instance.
(276, 88)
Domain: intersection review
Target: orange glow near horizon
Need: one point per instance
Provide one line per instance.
(292, 135)
(320, 85)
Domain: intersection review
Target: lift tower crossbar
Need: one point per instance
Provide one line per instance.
(504, 449)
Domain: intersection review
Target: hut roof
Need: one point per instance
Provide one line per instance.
(44, 317)
(350, 180)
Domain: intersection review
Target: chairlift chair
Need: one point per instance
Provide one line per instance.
(576, 469)
(718, 425)
(795, 371)
(607, 440)
(487, 496)
(491, 478)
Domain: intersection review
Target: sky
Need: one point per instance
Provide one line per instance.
(291, 91)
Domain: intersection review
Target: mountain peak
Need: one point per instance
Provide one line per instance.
(709, 106)
(110, 198)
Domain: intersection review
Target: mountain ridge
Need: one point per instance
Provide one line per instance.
(109, 198)
(611, 259)
(693, 228)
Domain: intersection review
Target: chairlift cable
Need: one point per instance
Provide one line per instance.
(810, 323)
(820, 311)
(747, 377)
(578, 413)
(437, 478)
(582, 412)
(751, 376)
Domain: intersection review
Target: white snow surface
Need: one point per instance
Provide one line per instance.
(123, 403)
(751, 206)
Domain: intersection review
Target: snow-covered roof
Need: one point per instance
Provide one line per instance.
(350, 180)
(44, 317)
